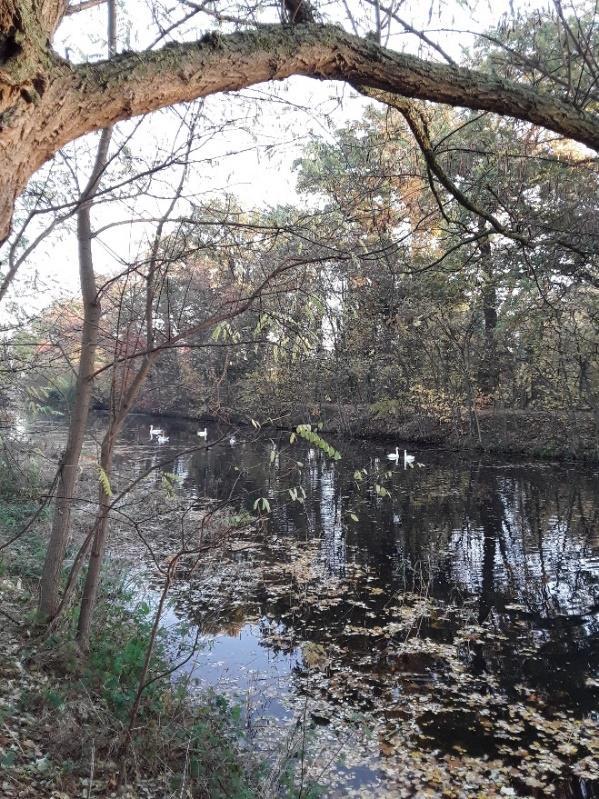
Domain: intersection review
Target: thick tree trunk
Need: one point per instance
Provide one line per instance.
(61, 523)
(46, 102)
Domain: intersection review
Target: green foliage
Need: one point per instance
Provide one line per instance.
(306, 432)
(53, 699)
(57, 397)
(26, 556)
(105, 482)
(20, 485)
(297, 494)
(117, 656)
(241, 519)
(14, 514)
(381, 491)
(8, 759)
(19, 476)
(262, 504)
(289, 788)
(215, 767)
(224, 331)
(170, 481)
(386, 408)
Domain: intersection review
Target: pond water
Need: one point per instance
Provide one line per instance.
(429, 631)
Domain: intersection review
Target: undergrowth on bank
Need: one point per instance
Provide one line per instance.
(185, 742)
(20, 487)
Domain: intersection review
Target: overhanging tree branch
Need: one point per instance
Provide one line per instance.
(132, 84)
(52, 102)
(418, 125)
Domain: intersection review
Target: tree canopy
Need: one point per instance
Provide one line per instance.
(47, 101)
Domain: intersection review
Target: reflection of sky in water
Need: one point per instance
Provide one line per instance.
(519, 542)
(527, 532)
(508, 533)
(236, 663)
(241, 665)
(517, 532)
(543, 562)
(334, 545)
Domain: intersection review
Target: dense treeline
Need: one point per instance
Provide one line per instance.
(389, 297)
(438, 270)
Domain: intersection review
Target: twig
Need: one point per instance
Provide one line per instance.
(10, 618)
(91, 769)
(185, 767)
(35, 516)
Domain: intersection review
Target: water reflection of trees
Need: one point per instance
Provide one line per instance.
(506, 535)
(520, 540)
(516, 546)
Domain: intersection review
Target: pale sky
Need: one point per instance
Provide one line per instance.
(251, 158)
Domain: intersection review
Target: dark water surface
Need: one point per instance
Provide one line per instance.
(444, 644)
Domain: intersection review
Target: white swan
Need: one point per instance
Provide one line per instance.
(408, 460)
(155, 431)
(162, 439)
(232, 441)
(203, 433)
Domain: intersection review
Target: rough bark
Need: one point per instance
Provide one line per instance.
(45, 101)
(96, 558)
(61, 522)
(92, 578)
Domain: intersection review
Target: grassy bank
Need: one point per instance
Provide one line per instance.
(64, 718)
